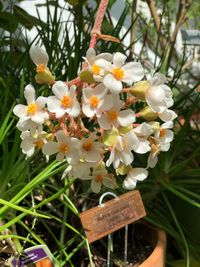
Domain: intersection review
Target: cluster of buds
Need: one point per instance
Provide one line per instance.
(98, 122)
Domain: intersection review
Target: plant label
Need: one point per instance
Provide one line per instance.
(37, 256)
(113, 215)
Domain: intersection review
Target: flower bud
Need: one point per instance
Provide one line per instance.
(110, 137)
(44, 77)
(123, 169)
(139, 89)
(148, 114)
(86, 76)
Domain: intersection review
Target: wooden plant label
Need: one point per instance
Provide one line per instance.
(113, 215)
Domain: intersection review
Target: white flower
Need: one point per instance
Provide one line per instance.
(40, 57)
(34, 110)
(118, 72)
(80, 170)
(121, 151)
(158, 95)
(134, 175)
(116, 117)
(101, 176)
(143, 131)
(91, 59)
(64, 100)
(25, 124)
(29, 142)
(66, 148)
(164, 135)
(96, 100)
(160, 142)
(167, 115)
(92, 150)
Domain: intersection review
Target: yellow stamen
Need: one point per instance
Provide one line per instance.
(88, 145)
(66, 101)
(163, 132)
(63, 148)
(94, 101)
(112, 115)
(99, 178)
(95, 69)
(39, 143)
(118, 73)
(40, 68)
(32, 108)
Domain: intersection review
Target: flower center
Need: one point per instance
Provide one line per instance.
(39, 143)
(66, 101)
(94, 101)
(163, 132)
(32, 108)
(99, 178)
(112, 115)
(118, 73)
(40, 68)
(88, 145)
(96, 69)
(63, 148)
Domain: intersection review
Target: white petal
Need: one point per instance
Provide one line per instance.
(164, 147)
(110, 183)
(53, 103)
(144, 129)
(131, 141)
(126, 117)
(129, 183)
(133, 72)
(152, 160)
(92, 156)
(104, 122)
(39, 55)
(67, 171)
(50, 148)
(40, 117)
(62, 137)
(112, 84)
(106, 56)
(144, 146)
(87, 110)
(110, 159)
(158, 79)
(104, 64)
(60, 156)
(20, 111)
(167, 115)
(60, 89)
(29, 94)
(75, 110)
(41, 101)
(100, 90)
(156, 94)
(95, 186)
(27, 144)
(126, 157)
(138, 173)
(107, 103)
(119, 59)
(91, 55)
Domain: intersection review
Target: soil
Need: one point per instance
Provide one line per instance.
(141, 242)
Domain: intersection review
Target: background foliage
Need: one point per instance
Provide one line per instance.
(37, 207)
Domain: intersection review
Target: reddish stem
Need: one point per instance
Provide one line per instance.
(98, 22)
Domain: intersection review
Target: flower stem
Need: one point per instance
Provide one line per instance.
(98, 21)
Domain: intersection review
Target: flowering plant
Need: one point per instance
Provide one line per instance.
(93, 122)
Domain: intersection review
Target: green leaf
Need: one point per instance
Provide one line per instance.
(8, 22)
(25, 19)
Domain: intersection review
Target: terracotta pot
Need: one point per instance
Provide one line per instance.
(157, 257)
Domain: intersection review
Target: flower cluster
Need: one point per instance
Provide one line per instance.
(100, 126)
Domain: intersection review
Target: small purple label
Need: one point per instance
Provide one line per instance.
(30, 255)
